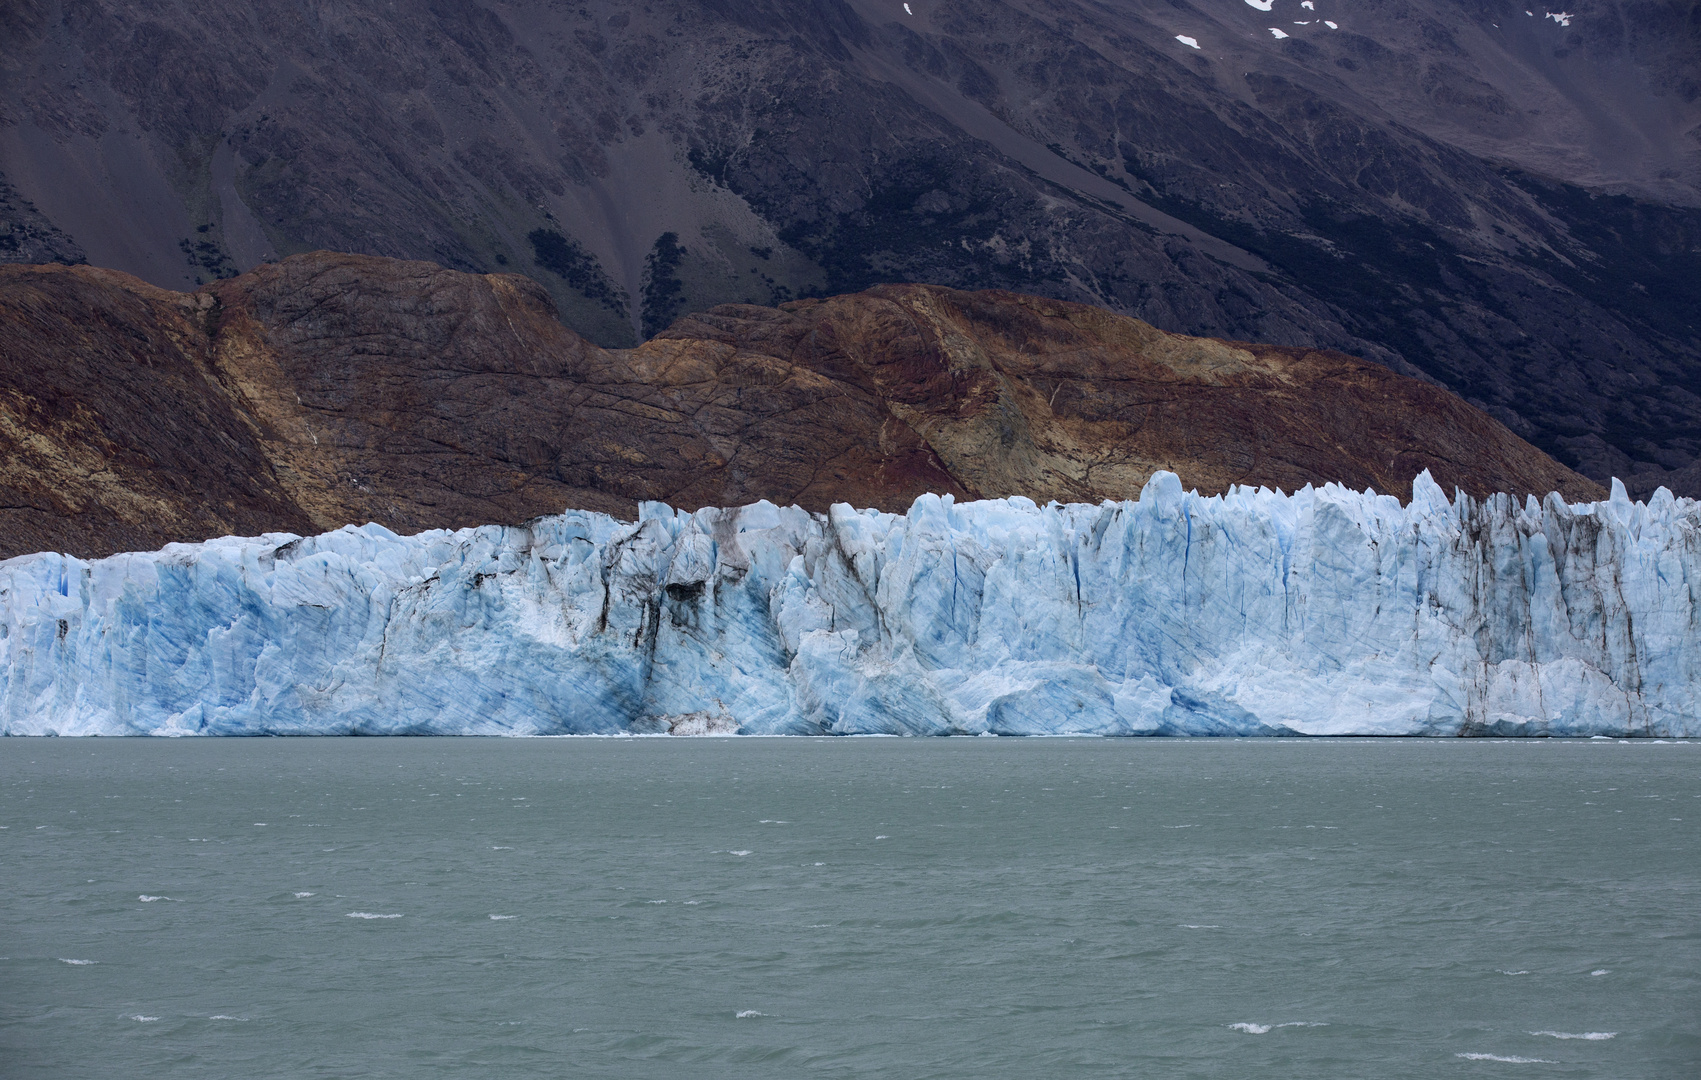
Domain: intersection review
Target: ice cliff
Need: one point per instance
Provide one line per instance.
(1324, 612)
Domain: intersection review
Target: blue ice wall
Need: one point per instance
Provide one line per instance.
(1327, 611)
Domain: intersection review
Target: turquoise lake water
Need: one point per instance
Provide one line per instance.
(692, 908)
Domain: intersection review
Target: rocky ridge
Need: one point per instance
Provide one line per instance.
(1497, 198)
(329, 389)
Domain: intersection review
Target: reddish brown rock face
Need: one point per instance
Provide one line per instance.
(116, 431)
(327, 389)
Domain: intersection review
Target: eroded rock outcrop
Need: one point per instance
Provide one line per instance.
(330, 389)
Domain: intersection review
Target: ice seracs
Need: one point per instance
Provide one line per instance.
(1326, 612)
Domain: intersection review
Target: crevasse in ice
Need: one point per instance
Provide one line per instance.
(1327, 611)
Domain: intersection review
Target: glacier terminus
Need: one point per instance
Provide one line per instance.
(1322, 612)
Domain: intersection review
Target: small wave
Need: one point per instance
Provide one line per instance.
(1178, 826)
(500, 918)
(1600, 971)
(1511, 1059)
(1592, 1036)
(690, 902)
(1200, 926)
(370, 915)
(146, 899)
(140, 1019)
(302, 895)
(1252, 1029)
(222, 1016)
(882, 838)
(740, 853)
(1503, 971)
(501, 847)
(78, 963)
(1303, 1023)
(747, 1013)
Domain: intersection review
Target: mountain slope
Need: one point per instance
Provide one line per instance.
(330, 389)
(1502, 203)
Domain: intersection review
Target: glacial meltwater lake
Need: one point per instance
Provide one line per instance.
(903, 908)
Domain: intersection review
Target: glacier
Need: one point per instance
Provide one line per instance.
(1322, 612)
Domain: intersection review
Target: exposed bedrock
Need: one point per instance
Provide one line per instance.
(325, 390)
(1506, 203)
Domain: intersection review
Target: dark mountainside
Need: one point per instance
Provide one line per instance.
(325, 389)
(1503, 203)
